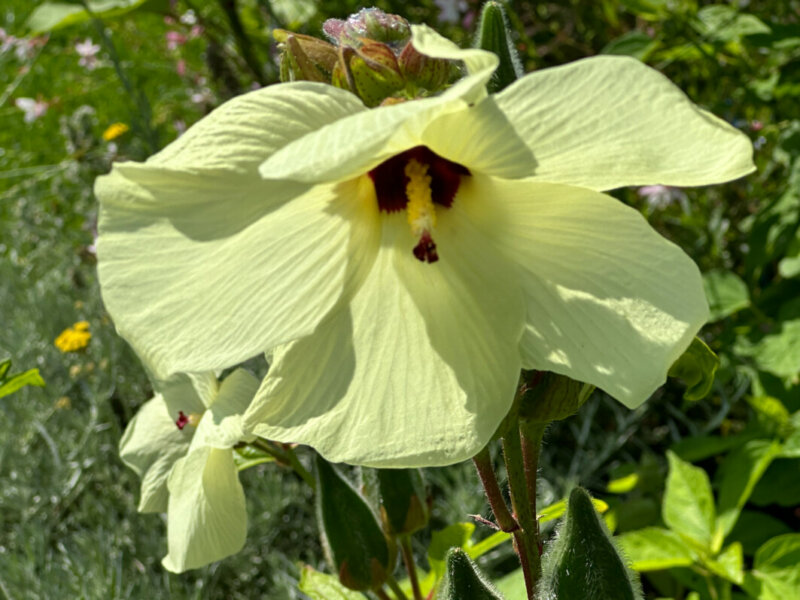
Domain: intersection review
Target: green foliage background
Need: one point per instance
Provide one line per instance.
(68, 526)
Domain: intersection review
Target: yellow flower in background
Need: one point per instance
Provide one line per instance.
(114, 131)
(74, 338)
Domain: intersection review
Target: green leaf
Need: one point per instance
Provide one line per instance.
(688, 506)
(403, 500)
(20, 380)
(456, 535)
(728, 564)
(696, 367)
(633, 43)
(624, 484)
(791, 446)
(725, 24)
(726, 293)
(464, 580)
(771, 415)
(779, 352)
(319, 586)
(494, 35)
(50, 16)
(4, 367)
(583, 562)
(512, 586)
(293, 13)
(557, 509)
(738, 475)
(651, 10)
(654, 548)
(789, 267)
(250, 456)
(353, 538)
(776, 569)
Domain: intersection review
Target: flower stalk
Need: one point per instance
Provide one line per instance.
(411, 567)
(526, 538)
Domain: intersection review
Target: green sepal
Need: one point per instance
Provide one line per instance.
(583, 562)
(403, 501)
(548, 397)
(463, 580)
(696, 368)
(354, 542)
(494, 35)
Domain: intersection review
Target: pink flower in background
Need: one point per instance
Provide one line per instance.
(7, 41)
(88, 54)
(175, 39)
(180, 67)
(33, 109)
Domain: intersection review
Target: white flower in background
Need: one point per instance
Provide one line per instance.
(661, 196)
(88, 54)
(33, 109)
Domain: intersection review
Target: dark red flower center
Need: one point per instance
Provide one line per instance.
(391, 180)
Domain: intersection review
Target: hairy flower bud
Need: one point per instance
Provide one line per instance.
(371, 72)
(304, 57)
(424, 71)
(368, 24)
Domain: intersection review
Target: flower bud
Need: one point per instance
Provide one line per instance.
(424, 71)
(371, 24)
(371, 72)
(583, 562)
(494, 35)
(550, 397)
(463, 579)
(304, 57)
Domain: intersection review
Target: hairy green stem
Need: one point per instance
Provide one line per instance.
(288, 457)
(527, 539)
(483, 463)
(531, 434)
(411, 567)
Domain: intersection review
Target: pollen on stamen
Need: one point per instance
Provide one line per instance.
(420, 210)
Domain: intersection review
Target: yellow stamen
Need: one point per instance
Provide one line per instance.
(420, 210)
(194, 419)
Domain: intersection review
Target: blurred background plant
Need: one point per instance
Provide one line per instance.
(83, 84)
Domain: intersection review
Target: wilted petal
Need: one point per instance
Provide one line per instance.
(607, 122)
(610, 302)
(418, 371)
(207, 516)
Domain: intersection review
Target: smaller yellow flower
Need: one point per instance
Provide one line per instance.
(74, 338)
(114, 131)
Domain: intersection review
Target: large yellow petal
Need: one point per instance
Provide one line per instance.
(609, 301)
(418, 370)
(609, 121)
